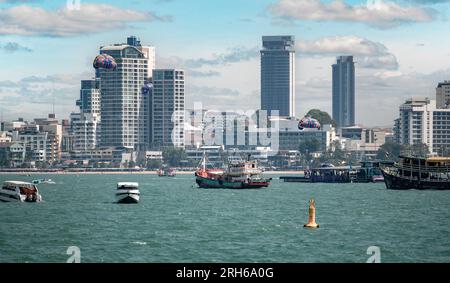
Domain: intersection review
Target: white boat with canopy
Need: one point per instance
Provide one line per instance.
(19, 191)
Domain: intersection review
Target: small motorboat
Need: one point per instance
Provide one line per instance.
(43, 181)
(19, 191)
(127, 192)
(166, 172)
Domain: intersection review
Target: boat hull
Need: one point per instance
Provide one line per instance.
(207, 183)
(5, 197)
(127, 197)
(398, 183)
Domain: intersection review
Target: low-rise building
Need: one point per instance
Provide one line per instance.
(5, 137)
(421, 122)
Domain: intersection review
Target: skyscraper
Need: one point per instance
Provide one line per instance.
(278, 74)
(166, 109)
(344, 91)
(122, 113)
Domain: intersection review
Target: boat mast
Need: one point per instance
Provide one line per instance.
(204, 161)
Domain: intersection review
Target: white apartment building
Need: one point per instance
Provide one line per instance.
(422, 122)
(36, 144)
(86, 132)
(122, 107)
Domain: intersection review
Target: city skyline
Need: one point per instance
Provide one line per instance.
(218, 46)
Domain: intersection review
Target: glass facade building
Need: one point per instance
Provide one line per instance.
(344, 91)
(278, 74)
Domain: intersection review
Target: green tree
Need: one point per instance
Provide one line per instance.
(321, 116)
(389, 151)
(420, 149)
(154, 164)
(173, 156)
(308, 146)
(335, 156)
(42, 164)
(4, 162)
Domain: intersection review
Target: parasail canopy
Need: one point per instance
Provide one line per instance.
(146, 88)
(308, 123)
(104, 61)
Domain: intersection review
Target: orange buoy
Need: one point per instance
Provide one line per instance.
(312, 216)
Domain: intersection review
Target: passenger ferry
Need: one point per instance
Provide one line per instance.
(418, 173)
(127, 192)
(19, 191)
(239, 175)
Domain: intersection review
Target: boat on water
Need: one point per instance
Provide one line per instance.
(238, 175)
(19, 191)
(432, 173)
(127, 192)
(325, 174)
(166, 172)
(370, 172)
(43, 181)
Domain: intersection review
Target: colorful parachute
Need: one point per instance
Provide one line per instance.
(308, 123)
(146, 88)
(104, 61)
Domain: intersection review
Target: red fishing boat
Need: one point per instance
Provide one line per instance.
(239, 175)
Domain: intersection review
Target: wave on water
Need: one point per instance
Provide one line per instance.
(139, 243)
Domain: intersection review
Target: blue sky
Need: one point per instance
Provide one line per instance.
(402, 49)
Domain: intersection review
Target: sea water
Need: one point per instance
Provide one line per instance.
(176, 221)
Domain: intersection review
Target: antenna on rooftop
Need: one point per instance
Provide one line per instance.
(1, 119)
(53, 100)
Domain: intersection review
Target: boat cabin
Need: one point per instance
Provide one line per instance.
(127, 186)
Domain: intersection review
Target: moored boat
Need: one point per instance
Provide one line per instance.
(166, 172)
(240, 175)
(420, 173)
(19, 191)
(127, 192)
(370, 172)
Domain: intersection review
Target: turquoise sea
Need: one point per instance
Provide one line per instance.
(178, 222)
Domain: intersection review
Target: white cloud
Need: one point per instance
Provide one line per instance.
(91, 18)
(376, 13)
(193, 66)
(369, 54)
(32, 96)
(378, 92)
(222, 99)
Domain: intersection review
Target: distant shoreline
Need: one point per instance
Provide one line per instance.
(122, 173)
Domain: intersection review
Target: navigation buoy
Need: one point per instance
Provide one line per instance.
(312, 216)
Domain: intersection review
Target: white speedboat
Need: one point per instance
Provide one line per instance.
(43, 181)
(127, 192)
(19, 191)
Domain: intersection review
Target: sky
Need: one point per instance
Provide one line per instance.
(402, 49)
